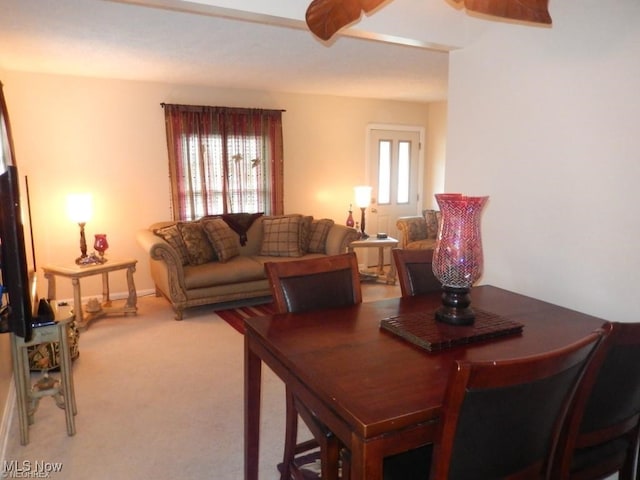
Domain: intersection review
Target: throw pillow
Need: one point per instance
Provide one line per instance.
(224, 240)
(305, 233)
(432, 219)
(199, 249)
(318, 235)
(281, 236)
(171, 235)
(416, 229)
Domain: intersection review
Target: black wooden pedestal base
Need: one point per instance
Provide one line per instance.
(455, 308)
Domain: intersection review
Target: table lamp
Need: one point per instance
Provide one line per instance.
(79, 210)
(363, 199)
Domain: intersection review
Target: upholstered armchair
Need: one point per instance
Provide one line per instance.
(419, 232)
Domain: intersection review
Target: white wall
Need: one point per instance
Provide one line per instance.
(107, 137)
(545, 121)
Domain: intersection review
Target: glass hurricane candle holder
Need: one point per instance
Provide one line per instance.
(100, 245)
(458, 258)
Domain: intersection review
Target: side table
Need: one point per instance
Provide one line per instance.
(95, 310)
(380, 244)
(28, 395)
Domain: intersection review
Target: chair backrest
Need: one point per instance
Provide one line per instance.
(502, 419)
(415, 272)
(315, 283)
(603, 425)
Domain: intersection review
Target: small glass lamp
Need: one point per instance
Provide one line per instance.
(363, 199)
(79, 210)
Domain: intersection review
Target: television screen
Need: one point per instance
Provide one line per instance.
(18, 298)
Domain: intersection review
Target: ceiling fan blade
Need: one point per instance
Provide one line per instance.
(535, 11)
(326, 17)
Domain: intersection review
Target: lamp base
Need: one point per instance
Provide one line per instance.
(455, 308)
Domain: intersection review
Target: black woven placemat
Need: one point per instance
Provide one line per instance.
(422, 329)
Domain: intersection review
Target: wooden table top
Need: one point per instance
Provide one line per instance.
(74, 270)
(373, 378)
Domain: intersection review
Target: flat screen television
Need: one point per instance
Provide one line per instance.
(19, 292)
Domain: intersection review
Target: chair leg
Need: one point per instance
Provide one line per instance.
(345, 456)
(290, 436)
(330, 446)
(330, 458)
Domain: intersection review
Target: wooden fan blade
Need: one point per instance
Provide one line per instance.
(326, 17)
(535, 11)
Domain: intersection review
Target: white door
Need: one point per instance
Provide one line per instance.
(396, 177)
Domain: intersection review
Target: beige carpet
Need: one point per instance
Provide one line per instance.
(158, 399)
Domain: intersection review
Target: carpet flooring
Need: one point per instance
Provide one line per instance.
(157, 398)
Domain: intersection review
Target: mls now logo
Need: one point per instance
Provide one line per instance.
(29, 469)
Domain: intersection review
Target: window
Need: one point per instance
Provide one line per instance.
(224, 160)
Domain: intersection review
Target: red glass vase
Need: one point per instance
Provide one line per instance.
(100, 245)
(350, 222)
(458, 258)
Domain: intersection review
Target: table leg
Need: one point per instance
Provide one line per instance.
(391, 276)
(252, 381)
(77, 302)
(366, 461)
(21, 389)
(132, 300)
(66, 375)
(381, 261)
(106, 300)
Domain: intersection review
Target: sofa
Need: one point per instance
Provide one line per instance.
(419, 232)
(221, 259)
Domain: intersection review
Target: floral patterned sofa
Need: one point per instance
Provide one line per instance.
(221, 259)
(419, 232)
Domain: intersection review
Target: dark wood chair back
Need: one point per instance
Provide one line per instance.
(502, 419)
(603, 426)
(315, 283)
(415, 272)
(301, 286)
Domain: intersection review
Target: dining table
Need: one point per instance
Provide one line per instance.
(378, 392)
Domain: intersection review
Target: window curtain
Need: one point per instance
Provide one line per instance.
(224, 160)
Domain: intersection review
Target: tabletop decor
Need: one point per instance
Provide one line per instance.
(101, 245)
(363, 199)
(458, 258)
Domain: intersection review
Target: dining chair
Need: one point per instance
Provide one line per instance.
(414, 271)
(305, 285)
(500, 419)
(603, 426)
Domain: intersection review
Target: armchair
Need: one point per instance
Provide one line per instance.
(419, 232)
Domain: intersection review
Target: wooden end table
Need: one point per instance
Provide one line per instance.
(380, 244)
(97, 310)
(28, 395)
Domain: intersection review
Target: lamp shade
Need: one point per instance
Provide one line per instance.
(363, 195)
(80, 207)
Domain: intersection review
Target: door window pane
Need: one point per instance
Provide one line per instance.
(384, 172)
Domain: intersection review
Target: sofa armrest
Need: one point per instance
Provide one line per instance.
(411, 229)
(166, 264)
(339, 238)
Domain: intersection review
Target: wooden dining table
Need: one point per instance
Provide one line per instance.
(379, 393)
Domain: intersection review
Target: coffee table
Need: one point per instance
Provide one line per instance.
(380, 244)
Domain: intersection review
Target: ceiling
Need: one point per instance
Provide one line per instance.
(230, 44)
